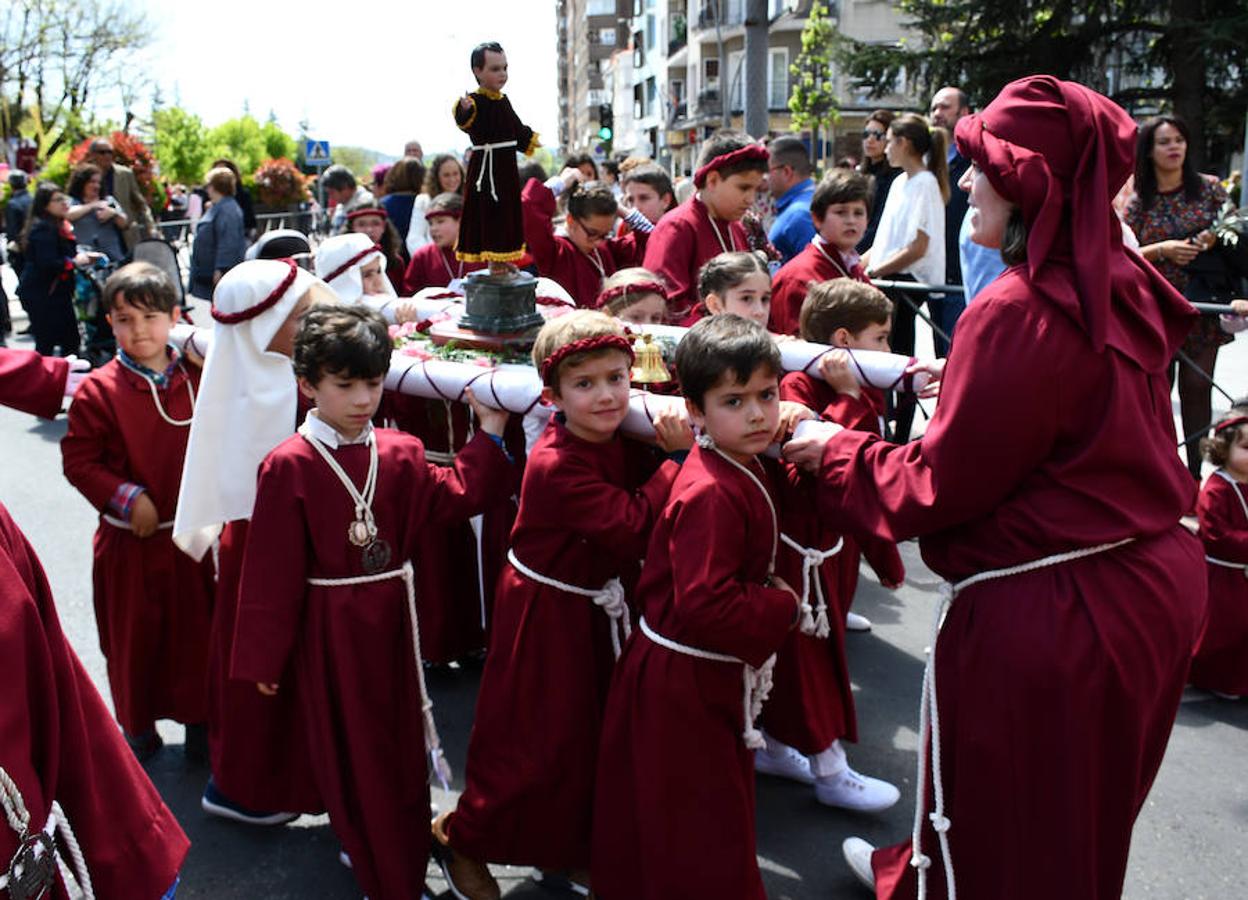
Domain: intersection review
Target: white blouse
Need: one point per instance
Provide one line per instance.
(913, 205)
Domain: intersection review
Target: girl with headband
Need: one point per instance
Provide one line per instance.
(374, 222)
(1048, 492)
(730, 171)
(434, 264)
(635, 296)
(1221, 661)
(247, 405)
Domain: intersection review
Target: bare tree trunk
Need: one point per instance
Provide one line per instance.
(1188, 70)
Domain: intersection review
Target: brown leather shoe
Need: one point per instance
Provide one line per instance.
(467, 878)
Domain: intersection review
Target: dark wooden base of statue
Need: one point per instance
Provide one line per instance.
(497, 305)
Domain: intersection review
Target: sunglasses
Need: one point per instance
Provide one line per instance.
(590, 233)
(872, 133)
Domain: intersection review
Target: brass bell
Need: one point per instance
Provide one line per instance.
(648, 367)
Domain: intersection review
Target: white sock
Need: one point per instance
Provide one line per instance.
(829, 763)
(774, 747)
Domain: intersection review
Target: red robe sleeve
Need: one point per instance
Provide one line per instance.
(1223, 526)
(670, 251)
(538, 207)
(480, 475)
(628, 250)
(92, 427)
(788, 292)
(727, 615)
(59, 742)
(32, 383)
(420, 273)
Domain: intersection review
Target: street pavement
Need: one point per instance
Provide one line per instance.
(1189, 843)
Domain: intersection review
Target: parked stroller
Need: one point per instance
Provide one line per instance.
(164, 256)
(98, 343)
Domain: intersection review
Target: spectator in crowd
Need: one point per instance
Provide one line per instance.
(378, 185)
(219, 243)
(98, 222)
(47, 283)
(119, 182)
(242, 197)
(949, 104)
(1170, 213)
(404, 182)
(788, 179)
(16, 211)
(648, 189)
(611, 176)
(585, 163)
(413, 148)
(344, 195)
(875, 165)
(444, 175)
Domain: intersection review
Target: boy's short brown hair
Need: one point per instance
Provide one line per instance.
(446, 203)
(725, 141)
(719, 345)
(841, 303)
(344, 339)
(142, 285)
(575, 326)
(840, 186)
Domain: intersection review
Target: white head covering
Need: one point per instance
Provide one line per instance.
(247, 400)
(342, 257)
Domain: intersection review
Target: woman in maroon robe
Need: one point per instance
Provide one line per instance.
(1055, 687)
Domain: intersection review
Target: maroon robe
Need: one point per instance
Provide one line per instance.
(674, 806)
(59, 743)
(789, 287)
(351, 646)
(1057, 689)
(681, 243)
(1221, 662)
(434, 266)
(586, 511)
(491, 229)
(32, 383)
(153, 603)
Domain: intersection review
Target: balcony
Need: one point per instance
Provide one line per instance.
(678, 33)
(709, 103)
(731, 13)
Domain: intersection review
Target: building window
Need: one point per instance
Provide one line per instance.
(601, 8)
(639, 51)
(606, 37)
(778, 78)
(652, 95)
(651, 32)
(710, 72)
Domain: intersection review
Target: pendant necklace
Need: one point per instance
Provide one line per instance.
(731, 243)
(362, 532)
(447, 266)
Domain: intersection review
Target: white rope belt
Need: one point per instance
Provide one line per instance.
(929, 716)
(487, 163)
(609, 598)
(1227, 564)
(757, 681)
(126, 526)
(814, 621)
(44, 842)
(433, 744)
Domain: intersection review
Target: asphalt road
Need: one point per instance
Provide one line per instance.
(1189, 843)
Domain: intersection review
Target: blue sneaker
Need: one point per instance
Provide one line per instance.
(216, 803)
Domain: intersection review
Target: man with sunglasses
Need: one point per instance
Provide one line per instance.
(790, 184)
(119, 182)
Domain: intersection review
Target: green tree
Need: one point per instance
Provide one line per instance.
(248, 143)
(1187, 56)
(181, 144)
(812, 99)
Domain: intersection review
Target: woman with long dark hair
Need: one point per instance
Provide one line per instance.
(47, 283)
(1047, 491)
(875, 165)
(1170, 213)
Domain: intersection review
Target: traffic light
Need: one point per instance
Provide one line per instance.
(606, 122)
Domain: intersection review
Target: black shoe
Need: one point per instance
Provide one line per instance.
(144, 746)
(217, 804)
(196, 746)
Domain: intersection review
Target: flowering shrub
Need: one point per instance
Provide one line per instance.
(280, 183)
(130, 152)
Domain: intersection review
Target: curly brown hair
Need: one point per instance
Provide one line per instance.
(1217, 446)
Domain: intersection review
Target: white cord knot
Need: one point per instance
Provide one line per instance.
(940, 824)
(610, 599)
(758, 683)
(921, 861)
(814, 619)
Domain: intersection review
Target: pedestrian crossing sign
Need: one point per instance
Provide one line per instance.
(316, 153)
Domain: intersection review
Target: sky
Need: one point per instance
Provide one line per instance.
(367, 74)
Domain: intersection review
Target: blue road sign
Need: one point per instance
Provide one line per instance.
(316, 153)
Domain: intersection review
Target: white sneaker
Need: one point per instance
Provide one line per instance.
(788, 763)
(855, 622)
(849, 790)
(1224, 696)
(858, 856)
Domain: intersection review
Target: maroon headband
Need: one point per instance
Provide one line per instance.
(366, 211)
(748, 153)
(252, 311)
(598, 342)
(637, 287)
(376, 248)
(1230, 422)
(453, 213)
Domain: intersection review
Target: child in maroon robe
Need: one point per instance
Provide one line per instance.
(434, 264)
(674, 806)
(492, 230)
(731, 168)
(587, 505)
(36, 384)
(812, 704)
(1221, 662)
(127, 434)
(327, 588)
(59, 745)
(586, 254)
(738, 283)
(839, 210)
(636, 296)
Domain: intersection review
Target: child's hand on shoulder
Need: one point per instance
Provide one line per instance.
(144, 520)
(672, 431)
(492, 421)
(935, 369)
(791, 412)
(269, 690)
(780, 584)
(835, 370)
